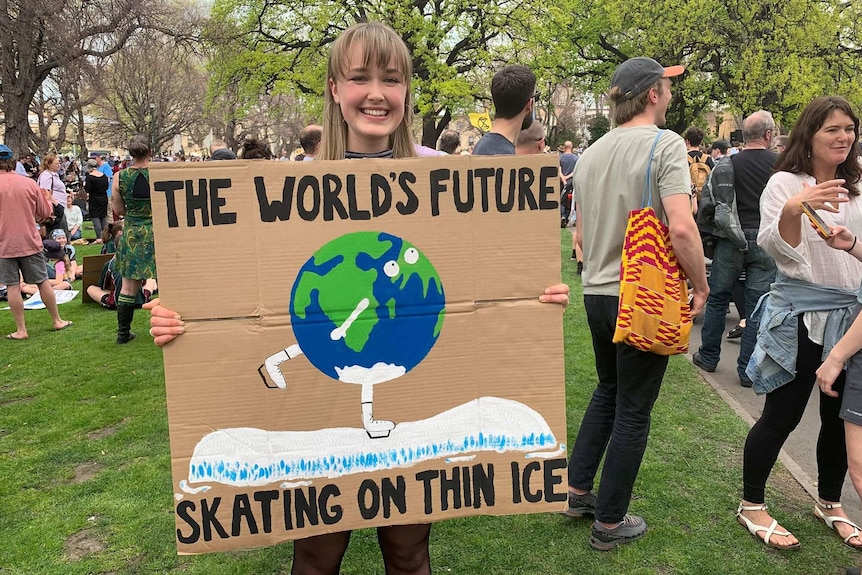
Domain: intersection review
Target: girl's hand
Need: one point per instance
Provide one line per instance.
(827, 373)
(842, 238)
(165, 325)
(556, 294)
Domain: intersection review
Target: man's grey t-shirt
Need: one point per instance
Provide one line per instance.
(609, 182)
(493, 144)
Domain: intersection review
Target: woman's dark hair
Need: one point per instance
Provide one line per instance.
(797, 156)
(254, 149)
(139, 147)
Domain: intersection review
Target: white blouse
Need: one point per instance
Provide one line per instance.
(812, 260)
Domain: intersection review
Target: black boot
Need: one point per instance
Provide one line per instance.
(125, 313)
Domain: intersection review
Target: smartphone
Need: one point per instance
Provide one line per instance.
(822, 229)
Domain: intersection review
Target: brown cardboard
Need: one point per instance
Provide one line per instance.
(92, 272)
(477, 418)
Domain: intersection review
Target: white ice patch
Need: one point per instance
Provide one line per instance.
(293, 484)
(377, 373)
(460, 459)
(250, 457)
(547, 454)
(184, 485)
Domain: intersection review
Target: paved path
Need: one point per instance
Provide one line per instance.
(798, 455)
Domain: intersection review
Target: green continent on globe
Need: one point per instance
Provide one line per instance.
(422, 268)
(341, 290)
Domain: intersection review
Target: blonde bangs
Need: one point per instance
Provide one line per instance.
(381, 46)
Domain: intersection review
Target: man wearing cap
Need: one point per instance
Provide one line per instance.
(608, 182)
(21, 255)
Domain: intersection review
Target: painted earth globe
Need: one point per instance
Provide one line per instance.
(367, 307)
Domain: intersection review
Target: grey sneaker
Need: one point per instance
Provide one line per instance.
(631, 529)
(581, 505)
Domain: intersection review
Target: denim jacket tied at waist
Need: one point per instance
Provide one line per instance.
(773, 362)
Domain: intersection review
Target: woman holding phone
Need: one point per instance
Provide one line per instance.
(807, 309)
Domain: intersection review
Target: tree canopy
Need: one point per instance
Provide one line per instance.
(746, 54)
(266, 58)
(40, 36)
(450, 40)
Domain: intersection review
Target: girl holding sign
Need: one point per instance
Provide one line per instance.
(368, 113)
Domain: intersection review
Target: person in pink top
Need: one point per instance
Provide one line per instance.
(22, 203)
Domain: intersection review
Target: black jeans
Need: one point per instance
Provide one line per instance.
(781, 414)
(617, 420)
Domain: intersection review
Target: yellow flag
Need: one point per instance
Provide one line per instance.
(481, 121)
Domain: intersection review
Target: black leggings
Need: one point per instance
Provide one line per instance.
(781, 414)
(404, 548)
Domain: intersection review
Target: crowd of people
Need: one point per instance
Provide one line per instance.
(738, 205)
(42, 217)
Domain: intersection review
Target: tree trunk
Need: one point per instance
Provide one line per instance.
(431, 128)
(82, 139)
(17, 126)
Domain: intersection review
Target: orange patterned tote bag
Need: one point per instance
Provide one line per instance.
(654, 311)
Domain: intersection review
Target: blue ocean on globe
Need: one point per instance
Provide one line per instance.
(367, 307)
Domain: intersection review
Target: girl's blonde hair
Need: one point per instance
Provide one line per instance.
(380, 45)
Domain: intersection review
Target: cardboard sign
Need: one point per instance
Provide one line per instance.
(92, 273)
(376, 354)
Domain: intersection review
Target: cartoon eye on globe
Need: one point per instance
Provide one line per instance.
(366, 308)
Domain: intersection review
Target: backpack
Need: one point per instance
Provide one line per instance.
(699, 172)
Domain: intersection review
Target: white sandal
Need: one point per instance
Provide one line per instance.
(754, 528)
(831, 520)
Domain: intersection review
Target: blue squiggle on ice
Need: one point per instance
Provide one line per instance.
(242, 473)
(248, 456)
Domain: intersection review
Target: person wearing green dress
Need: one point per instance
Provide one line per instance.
(136, 261)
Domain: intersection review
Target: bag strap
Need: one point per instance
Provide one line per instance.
(646, 201)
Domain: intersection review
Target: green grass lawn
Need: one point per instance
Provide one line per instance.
(85, 482)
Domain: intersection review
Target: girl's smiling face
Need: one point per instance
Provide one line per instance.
(372, 101)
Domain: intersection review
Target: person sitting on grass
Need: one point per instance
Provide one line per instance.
(74, 218)
(55, 269)
(110, 236)
(73, 270)
(111, 282)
